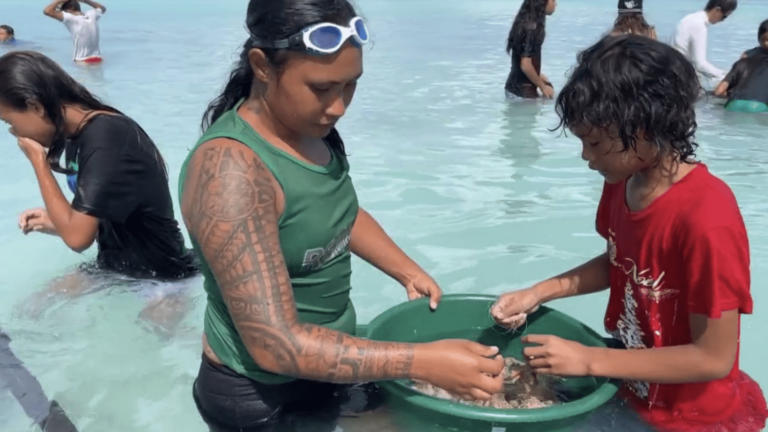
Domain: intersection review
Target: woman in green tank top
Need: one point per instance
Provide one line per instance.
(272, 212)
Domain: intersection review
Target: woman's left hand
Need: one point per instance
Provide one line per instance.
(424, 286)
(31, 148)
(557, 356)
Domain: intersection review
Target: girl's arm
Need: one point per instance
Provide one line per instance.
(709, 357)
(78, 230)
(526, 65)
(590, 277)
(717, 266)
(370, 242)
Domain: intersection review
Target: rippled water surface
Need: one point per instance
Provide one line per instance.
(479, 191)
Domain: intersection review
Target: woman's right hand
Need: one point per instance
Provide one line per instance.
(547, 90)
(36, 220)
(465, 369)
(512, 308)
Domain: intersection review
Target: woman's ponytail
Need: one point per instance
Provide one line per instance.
(238, 87)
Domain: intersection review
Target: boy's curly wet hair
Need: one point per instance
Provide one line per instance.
(629, 86)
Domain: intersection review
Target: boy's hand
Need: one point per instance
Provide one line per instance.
(512, 308)
(557, 356)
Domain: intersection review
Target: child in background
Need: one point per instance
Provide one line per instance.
(677, 261)
(83, 27)
(524, 46)
(7, 35)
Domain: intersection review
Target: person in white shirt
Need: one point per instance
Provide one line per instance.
(83, 27)
(690, 37)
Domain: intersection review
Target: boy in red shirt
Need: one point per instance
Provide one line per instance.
(677, 263)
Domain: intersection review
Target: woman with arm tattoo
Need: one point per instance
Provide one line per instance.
(272, 212)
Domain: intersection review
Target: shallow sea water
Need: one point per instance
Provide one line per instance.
(478, 190)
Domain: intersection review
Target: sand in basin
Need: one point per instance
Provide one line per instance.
(522, 389)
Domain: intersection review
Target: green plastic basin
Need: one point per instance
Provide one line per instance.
(468, 317)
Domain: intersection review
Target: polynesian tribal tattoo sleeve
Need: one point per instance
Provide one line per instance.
(234, 220)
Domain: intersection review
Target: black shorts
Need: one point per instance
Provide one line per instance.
(230, 402)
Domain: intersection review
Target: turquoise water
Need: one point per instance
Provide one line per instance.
(476, 189)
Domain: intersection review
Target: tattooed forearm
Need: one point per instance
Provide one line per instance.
(231, 213)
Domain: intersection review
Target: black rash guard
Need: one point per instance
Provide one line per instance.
(748, 79)
(121, 180)
(527, 44)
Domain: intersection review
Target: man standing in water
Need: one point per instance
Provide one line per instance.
(83, 27)
(690, 37)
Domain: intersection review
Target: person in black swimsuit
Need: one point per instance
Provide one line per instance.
(746, 85)
(118, 177)
(524, 46)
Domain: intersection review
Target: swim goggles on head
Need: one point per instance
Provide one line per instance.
(322, 38)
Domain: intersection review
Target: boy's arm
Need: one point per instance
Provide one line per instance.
(54, 13)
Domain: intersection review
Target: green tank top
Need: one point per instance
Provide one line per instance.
(315, 227)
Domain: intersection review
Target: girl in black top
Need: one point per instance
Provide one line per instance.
(524, 46)
(120, 185)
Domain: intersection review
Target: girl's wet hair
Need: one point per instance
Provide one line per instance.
(274, 20)
(531, 17)
(634, 87)
(632, 23)
(763, 29)
(28, 76)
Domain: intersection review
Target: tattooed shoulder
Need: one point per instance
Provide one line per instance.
(229, 207)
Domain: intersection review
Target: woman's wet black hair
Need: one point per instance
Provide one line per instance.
(763, 29)
(8, 29)
(637, 88)
(531, 17)
(274, 20)
(727, 6)
(28, 76)
(634, 23)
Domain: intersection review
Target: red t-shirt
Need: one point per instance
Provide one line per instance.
(686, 253)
